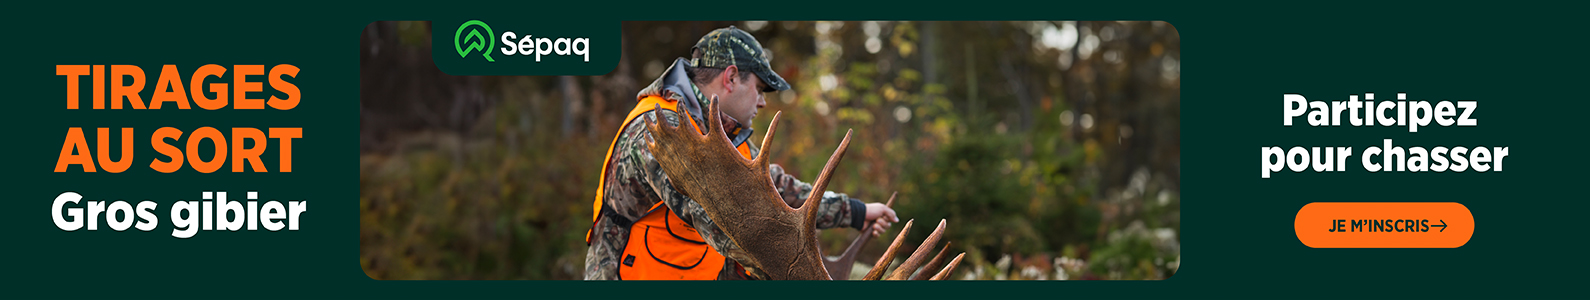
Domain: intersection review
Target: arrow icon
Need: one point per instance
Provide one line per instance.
(1443, 226)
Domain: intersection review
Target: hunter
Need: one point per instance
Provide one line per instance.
(645, 230)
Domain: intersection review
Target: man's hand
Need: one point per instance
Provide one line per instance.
(880, 216)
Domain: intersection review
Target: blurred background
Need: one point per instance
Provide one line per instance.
(1053, 147)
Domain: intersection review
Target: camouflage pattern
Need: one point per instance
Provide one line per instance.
(635, 182)
(724, 47)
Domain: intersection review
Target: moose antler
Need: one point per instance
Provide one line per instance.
(739, 196)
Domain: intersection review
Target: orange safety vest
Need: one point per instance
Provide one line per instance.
(661, 246)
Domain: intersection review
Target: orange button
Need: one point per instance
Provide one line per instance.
(1384, 225)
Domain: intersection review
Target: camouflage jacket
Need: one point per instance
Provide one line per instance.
(635, 182)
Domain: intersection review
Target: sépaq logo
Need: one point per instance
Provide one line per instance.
(469, 39)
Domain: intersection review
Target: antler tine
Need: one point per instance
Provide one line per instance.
(662, 127)
(810, 207)
(654, 128)
(911, 264)
(714, 130)
(888, 254)
(951, 268)
(762, 159)
(935, 264)
(712, 118)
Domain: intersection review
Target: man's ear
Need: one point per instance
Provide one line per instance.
(729, 74)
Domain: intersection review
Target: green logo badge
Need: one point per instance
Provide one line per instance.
(474, 40)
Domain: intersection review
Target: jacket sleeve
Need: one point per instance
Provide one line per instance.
(836, 210)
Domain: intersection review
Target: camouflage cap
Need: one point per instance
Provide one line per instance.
(724, 47)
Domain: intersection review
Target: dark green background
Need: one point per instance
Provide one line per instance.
(1521, 61)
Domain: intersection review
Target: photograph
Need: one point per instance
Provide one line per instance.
(780, 150)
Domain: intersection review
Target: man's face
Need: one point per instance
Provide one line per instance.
(744, 95)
